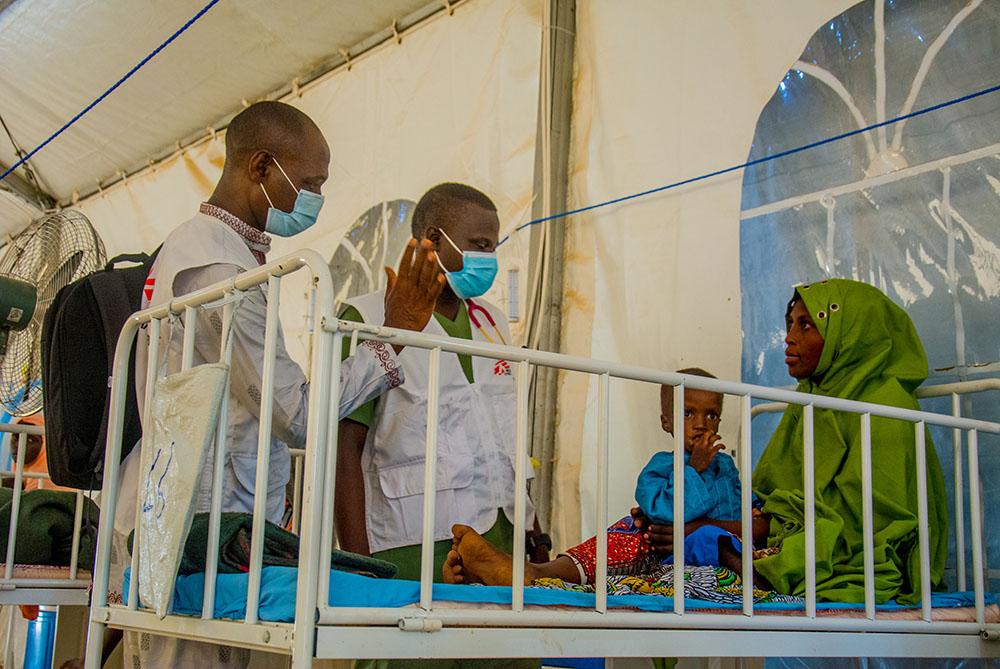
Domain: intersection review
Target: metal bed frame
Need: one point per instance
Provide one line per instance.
(69, 588)
(435, 629)
(956, 391)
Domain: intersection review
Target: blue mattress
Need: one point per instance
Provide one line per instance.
(277, 596)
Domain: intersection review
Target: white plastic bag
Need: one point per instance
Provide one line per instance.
(185, 414)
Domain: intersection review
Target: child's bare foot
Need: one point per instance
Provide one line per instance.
(733, 561)
(729, 558)
(479, 561)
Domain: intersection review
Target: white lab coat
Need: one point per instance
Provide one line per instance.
(197, 254)
(476, 442)
(201, 252)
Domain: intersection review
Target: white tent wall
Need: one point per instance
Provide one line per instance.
(456, 100)
(656, 281)
(136, 214)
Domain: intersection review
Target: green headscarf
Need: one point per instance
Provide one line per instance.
(871, 353)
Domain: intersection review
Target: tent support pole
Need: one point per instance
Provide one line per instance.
(546, 329)
(20, 188)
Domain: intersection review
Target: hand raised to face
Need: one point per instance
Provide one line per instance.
(412, 292)
(704, 449)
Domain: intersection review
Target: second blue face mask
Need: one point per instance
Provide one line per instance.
(302, 216)
(479, 269)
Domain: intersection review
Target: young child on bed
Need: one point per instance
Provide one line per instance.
(712, 495)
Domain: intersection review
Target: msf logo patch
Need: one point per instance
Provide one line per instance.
(502, 368)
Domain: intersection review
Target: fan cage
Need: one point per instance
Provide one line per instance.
(53, 251)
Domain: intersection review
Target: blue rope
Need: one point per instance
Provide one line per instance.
(111, 90)
(758, 161)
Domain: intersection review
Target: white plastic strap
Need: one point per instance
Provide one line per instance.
(234, 295)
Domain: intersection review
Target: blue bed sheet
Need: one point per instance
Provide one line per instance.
(277, 596)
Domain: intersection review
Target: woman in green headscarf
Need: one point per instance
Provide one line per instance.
(846, 339)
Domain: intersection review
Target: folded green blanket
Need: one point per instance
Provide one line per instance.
(281, 549)
(45, 528)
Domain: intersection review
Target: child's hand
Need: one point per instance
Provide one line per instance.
(639, 519)
(706, 445)
(659, 538)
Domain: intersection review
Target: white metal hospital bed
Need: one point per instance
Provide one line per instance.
(430, 627)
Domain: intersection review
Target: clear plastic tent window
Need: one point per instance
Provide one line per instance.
(374, 241)
(912, 208)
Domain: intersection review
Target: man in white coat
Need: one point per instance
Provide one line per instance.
(380, 457)
(276, 164)
(380, 453)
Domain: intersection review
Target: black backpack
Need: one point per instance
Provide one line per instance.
(79, 335)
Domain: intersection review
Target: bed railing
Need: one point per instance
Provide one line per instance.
(956, 391)
(313, 505)
(599, 616)
(251, 633)
(298, 472)
(51, 589)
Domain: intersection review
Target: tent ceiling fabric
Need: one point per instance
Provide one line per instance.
(56, 56)
(15, 215)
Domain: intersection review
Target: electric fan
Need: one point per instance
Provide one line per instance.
(53, 251)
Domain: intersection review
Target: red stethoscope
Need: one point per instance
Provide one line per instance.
(472, 308)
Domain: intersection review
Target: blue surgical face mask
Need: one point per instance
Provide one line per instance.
(302, 216)
(478, 271)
